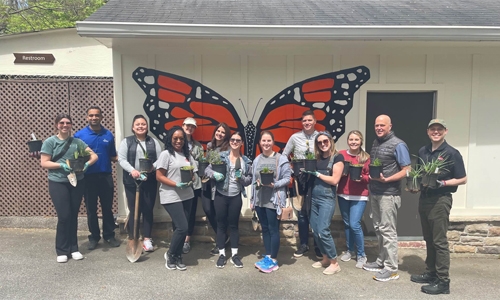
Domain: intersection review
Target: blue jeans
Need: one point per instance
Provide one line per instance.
(322, 209)
(270, 230)
(352, 212)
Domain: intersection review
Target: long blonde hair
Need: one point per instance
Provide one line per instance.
(363, 156)
(317, 152)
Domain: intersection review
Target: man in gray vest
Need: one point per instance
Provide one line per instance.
(385, 197)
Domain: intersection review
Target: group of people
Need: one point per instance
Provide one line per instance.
(221, 192)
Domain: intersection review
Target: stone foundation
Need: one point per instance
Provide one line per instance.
(474, 235)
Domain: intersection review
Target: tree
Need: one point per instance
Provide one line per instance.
(18, 16)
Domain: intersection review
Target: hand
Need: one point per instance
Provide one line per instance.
(237, 173)
(182, 185)
(381, 179)
(258, 185)
(86, 166)
(313, 173)
(142, 177)
(65, 167)
(218, 176)
(135, 174)
(35, 154)
(441, 183)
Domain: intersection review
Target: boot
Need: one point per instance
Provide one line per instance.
(440, 286)
(427, 277)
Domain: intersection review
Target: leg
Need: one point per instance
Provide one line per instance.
(147, 204)
(326, 208)
(130, 195)
(345, 211)
(192, 214)
(176, 212)
(76, 194)
(106, 193)
(209, 209)
(91, 195)
(233, 219)
(439, 217)
(424, 208)
(314, 221)
(388, 220)
(264, 223)
(357, 208)
(375, 215)
(60, 195)
(274, 232)
(221, 211)
(303, 224)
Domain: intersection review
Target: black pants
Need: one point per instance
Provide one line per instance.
(147, 198)
(67, 200)
(179, 213)
(208, 206)
(192, 212)
(99, 185)
(227, 210)
(435, 217)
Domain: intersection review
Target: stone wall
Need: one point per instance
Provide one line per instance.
(474, 236)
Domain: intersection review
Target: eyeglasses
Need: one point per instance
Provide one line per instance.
(235, 140)
(323, 142)
(64, 123)
(178, 139)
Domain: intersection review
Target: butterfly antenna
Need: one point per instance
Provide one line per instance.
(244, 108)
(258, 102)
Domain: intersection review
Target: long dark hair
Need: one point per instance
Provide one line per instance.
(140, 117)
(225, 143)
(168, 142)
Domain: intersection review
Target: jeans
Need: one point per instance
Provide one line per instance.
(435, 217)
(100, 185)
(322, 209)
(385, 217)
(179, 213)
(147, 199)
(352, 212)
(227, 210)
(270, 230)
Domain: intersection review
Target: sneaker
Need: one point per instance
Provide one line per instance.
(372, 266)
(262, 262)
(221, 261)
(178, 263)
(170, 261)
(214, 251)
(92, 245)
(385, 275)
(76, 255)
(361, 262)
(332, 269)
(148, 245)
(318, 253)
(439, 286)
(427, 277)
(347, 255)
(270, 267)
(186, 248)
(62, 258)
(319, 264)
(301, 250)
(236, 261)
(113, 242)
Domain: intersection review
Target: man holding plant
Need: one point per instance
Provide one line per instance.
(435, 205)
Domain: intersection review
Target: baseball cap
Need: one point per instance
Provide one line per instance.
(437, 121)
(190, 121)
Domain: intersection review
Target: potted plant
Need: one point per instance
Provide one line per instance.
(187, 174)
(431, 171)
(347, 165)
(355, 171)
(215, 160)
(414, 179)
(375, 168)
(34, 145)
(297, 162)
(145, 164)
(310, 160)
(266, 176)
(81, 156)
(202, 164)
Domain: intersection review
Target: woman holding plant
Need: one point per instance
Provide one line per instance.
(320, 191)
(268, 200)
(352, 197)
(227, 196)
(176, 196)
(55, 152)
(130, 152)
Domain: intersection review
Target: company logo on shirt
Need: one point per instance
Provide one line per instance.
(105, 140)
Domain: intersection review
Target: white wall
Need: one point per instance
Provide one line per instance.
(465, 76)
(75, 55)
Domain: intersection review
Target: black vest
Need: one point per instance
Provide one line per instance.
(384, 149)
(131, 153)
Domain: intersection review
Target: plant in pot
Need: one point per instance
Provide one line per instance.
(310, 160)
(145, 164)
(266, 176)
(81, 156)
(202, 164)
(347, 165)
(187, 174)
(431, 171)
(215, 160)
(34, 145)
(414, 178)
(355, 171)
(297, 161)
(375, 168)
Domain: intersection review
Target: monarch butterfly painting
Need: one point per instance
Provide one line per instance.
(171, 98)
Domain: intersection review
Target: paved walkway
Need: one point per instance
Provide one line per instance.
(29, 271)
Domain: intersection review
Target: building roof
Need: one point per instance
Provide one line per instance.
(304, 12)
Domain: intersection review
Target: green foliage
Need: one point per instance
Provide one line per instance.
(308, 154)
(187, 168)
(36, 15)
(213, 157)
(435, 165)
(266, 170)
(202, 157)
(376, 163)
(81, 152)
(357, 166)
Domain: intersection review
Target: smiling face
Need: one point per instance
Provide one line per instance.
(94, 117)
(308, 123)
(436, 133)
(235, 142)
(382, 126)
(220, 133)
(64, 126)
(188, 129)
(324, 144)
(266, 143)
(140, 127)
(178, 140)
(354, 142)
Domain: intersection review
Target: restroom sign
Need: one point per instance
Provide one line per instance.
(34, 58)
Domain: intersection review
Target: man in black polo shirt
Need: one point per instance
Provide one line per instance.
(434, 208)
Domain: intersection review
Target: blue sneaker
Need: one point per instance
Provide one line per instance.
(261, 262)
(272, 266)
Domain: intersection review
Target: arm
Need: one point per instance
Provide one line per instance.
(122, 160)
(455, 181)
(334, 179)
(285, 174)
(288, 148)
(113, 156)
(403, 159)
(246, 179)
(161, 176)
(93, 156)
(46, 163)
(365, 173)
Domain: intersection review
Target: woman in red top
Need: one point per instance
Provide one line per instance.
(352, 198)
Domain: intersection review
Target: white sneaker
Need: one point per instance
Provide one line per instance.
(76, 255)
(347, 255)
(148, 245)
(62, 258)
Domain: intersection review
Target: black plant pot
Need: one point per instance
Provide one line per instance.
(347, 165)
(375, 171)
(221, 168)
(297, 165)
(266, 178)
(430, 180)
(145, 164)
(355, 172)
(413, 185)
(202, 165)
(310, 165)
(35, 146)
(77, 165)
(186, 175)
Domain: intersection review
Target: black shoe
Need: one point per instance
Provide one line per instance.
(439, 286)
(221, 261)
(92, 245)
(427, 277)
(178, 263)
(236, 261)
(170, 261)
(301, 250)
(113, 242)
(214, 251)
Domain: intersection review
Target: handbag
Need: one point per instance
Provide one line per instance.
(297, 201)
(255, 221)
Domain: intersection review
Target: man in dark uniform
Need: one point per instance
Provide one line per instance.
(434, 208)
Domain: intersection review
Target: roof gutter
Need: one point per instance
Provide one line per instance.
(150, 30)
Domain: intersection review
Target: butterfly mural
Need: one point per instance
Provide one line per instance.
(171, 98)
